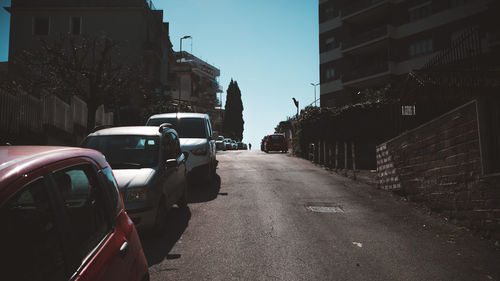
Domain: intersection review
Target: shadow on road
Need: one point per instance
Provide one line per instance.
(158, 246)
(204, 192)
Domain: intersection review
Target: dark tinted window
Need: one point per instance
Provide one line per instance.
(76, 25)
(126, 151)
(31, 247)
(86, 211)
(185, 127)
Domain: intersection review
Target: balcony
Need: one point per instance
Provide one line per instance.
(368, 8)
(366, 71)
(367, 37)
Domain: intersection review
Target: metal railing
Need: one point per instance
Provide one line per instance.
(364, 71)
(20, 112)
(358, 6)
(365, 36)
(57, 113)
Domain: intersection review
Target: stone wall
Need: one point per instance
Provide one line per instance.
(439, 164)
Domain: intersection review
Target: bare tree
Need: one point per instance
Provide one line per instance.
(86, 66)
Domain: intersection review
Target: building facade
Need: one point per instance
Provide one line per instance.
(366, 44)
(197, 83)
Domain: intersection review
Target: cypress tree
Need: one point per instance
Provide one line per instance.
(233, 117)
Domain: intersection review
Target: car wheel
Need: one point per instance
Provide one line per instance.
(210, 173)
(161, 216)
(183, 201)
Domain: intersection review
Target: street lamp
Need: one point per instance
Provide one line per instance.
(180, 79)
(314, 85)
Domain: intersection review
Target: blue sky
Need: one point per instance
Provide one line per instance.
(270, 47)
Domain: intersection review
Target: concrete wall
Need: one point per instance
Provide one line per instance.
(439, 164)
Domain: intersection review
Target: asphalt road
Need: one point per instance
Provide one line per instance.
(253, 224)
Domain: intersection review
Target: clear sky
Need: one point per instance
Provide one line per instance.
(270, 47)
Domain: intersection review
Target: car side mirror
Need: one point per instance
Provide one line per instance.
(186, 154)
(171, 163)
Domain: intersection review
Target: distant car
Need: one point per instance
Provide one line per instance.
(275, 142)
(149, 167)
(220, 143)
(234, 145)
(229, 143)
(196, 138)
(242, 146)
(63, 219)
(262, 143)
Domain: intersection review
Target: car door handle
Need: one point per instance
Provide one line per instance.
(124, 249)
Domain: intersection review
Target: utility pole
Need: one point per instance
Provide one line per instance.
(180, 79)
(314, 85)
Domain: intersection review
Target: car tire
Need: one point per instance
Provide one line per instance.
(161, 217)
(183, 200)
(210, 173)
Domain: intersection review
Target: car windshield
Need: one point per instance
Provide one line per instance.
(185, 127)
(220, 138)
(126, 151)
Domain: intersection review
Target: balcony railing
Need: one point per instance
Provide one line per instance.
(366, 36)
(358, 6)
(365, 71)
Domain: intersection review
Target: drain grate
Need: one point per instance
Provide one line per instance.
(323, 208)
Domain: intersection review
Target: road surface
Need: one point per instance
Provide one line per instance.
(278, 217)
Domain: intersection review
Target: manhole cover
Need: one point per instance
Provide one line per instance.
(323, 208)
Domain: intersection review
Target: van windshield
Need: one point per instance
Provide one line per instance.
(126, 151)
(185, 127)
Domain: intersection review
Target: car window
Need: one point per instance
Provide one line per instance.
(32, 248)
(86, 210)
(185, 127)
(112, 187)
(126, 151)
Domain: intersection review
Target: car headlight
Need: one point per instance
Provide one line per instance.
(199, 151)
(136, 194)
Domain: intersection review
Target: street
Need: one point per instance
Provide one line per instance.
(277, 217)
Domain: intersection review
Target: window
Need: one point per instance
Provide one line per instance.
(421, 47)
(31, 242)
(76, 25)
(112, 187)
(420, 11)
(330, 74)
(86, 209)
(41, 26)
(408, 110)
(330, 43)
(126, 151)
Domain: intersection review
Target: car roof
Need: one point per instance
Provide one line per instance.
(18, 160)
(129, 130)
(179, 115)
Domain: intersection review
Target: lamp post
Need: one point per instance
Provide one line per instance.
(314, 85)
(180, 80)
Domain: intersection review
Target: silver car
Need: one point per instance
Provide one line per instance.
(196, 138)
(149, 167)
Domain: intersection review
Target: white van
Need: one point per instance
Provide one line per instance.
(196, 138)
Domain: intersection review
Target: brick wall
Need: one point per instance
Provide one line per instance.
(439, 164)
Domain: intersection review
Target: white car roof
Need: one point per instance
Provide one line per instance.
(179, 115)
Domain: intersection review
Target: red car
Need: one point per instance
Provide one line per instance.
(276, 142)
(63, 219)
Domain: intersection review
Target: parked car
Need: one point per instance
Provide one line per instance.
(229, 143)
(275, 142)
(220, 143)
(234, 145)
(149, 167)
(262, 143)
(242, 146)
(63, 219)
(196, 138)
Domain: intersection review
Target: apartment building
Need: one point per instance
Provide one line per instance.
(197, 81)
(369, 43)
(135, 24)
